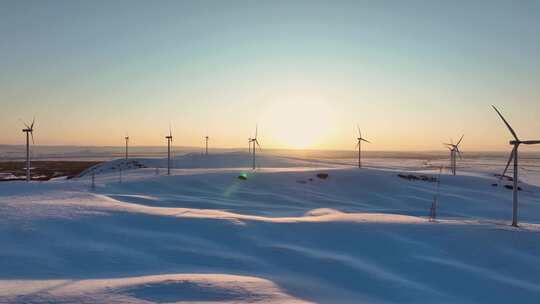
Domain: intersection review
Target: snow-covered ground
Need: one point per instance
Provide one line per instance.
(281, 236)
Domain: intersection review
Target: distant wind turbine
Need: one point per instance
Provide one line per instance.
(169, 140)
(359, 146)
(127, 144)
(454, 150)
(29, 130)
(514, 155)
(255, 142)
(206, 140)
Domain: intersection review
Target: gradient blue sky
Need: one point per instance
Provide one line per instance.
(411, 73)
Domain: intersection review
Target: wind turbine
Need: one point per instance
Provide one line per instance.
(454, 148)
(206, 139)
(255, 142)
(514, 156)
(169, 140)
(127, 144)
(29, 130)
(359, 146)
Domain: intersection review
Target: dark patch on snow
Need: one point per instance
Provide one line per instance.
(413, 177)
(322, 175)
(511, 187)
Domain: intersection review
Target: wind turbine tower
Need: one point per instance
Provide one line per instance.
(451, 159)
(359, 146)
(514, 156)
(206, 140)
(254, 141)
(127, 145)
(169, 140)
(29, 130)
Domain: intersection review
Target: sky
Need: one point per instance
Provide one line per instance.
(411, 74)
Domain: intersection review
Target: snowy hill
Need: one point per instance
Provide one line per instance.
(211, 161)
(283, 235)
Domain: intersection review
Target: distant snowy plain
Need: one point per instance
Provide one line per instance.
(281, 236)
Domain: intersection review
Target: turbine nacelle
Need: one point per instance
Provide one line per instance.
(360, 138)
(30, 128)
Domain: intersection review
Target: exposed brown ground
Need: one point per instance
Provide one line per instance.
(45, 170)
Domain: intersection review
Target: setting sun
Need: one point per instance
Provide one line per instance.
(298, 122)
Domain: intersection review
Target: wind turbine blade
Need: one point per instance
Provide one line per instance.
(531, 142)
(459, 153)
(459, 141)
(357, 144)
(365, 140)
(506, 123)
(257, 142)
(32, 135)
(256, 130)
(508, 163)
(33, 121)
(28, 127)
(447, 144)
(359, 133)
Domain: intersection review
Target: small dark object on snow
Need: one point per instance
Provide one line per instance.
(322, 175)
(494, 185)
(301, 181)
(511, 187)
(418, 177)
(242, 177)
(310, 179)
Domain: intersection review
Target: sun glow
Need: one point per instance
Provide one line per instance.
(299, 123)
